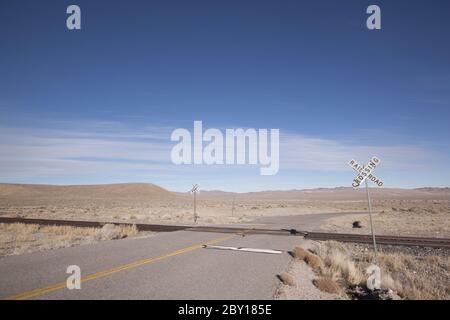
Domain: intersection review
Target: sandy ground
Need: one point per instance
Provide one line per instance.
(405, 217)
(210, 211)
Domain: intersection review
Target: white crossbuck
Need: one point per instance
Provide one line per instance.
(365, 172)
(194, 188)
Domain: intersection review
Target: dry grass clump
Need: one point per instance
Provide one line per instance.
(129, 230)
(338, 264)
(68, 231)
(299, 253)
(410, 276)
(114, 232)
(327, 284)
(19, 228)
(287, 279)
(314, 261)
(310, 258)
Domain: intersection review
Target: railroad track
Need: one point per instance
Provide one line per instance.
(144, 227)
(342, 237)
(382, 239)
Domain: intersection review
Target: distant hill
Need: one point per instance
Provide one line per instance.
(122, 191)
(338, 193)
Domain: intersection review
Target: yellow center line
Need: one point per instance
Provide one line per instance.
(100, 274)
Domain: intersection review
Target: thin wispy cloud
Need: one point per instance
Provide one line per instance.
(309, 153)
(87, 152)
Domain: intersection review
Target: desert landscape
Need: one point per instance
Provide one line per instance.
(318, 270)
(423, 211)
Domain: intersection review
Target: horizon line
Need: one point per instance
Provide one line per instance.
(216, 190)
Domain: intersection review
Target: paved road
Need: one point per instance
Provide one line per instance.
(169, 265)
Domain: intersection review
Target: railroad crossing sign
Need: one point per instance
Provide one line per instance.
(194, 190)
(365, 172)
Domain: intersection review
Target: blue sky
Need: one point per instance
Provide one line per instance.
(98, 105)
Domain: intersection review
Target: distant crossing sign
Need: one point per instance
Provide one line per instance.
(194, 188)
(194, 191)
(365, 172)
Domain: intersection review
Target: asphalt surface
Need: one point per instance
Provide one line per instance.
(170, 265)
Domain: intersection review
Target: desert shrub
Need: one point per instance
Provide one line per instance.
(299, 253)
(327, 284)
(287, 279)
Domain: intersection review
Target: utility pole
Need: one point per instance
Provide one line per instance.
(232, 207)
(194, 190)
(369, 202)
